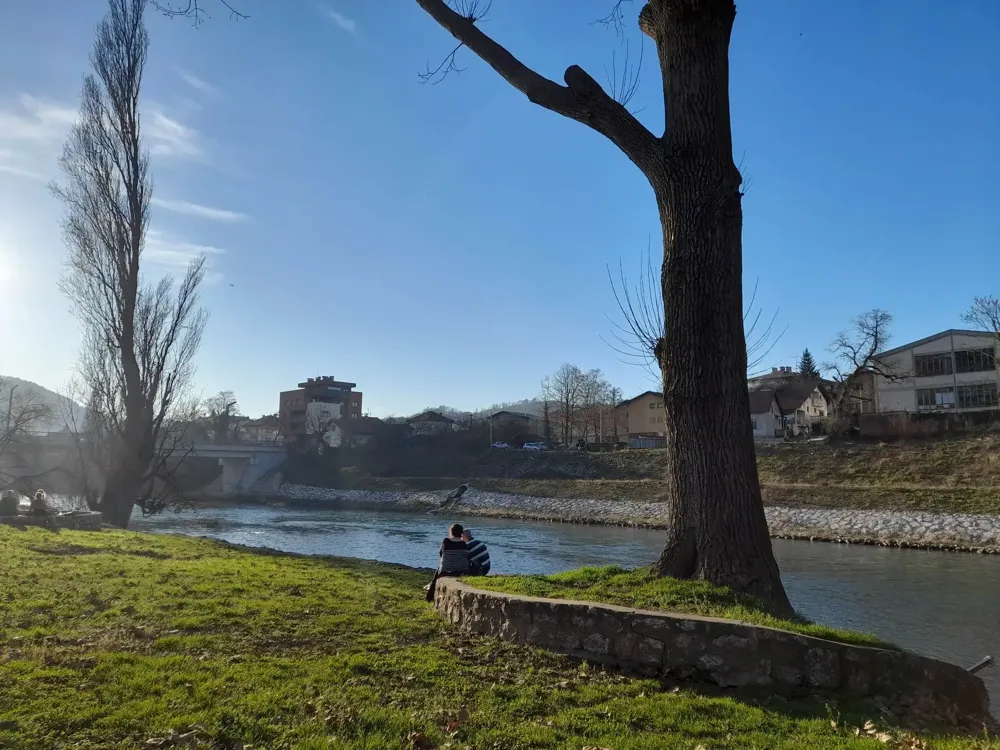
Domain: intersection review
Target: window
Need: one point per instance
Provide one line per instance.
(753, 423)
(936, 398)
(928, 365)
(975, 360)
(978, 396)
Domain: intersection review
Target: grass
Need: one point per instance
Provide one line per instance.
(641, 590)
(118, 640)
(959, 475)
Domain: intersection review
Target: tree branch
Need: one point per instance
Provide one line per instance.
(581, 99)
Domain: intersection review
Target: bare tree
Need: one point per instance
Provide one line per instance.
(562, 390)
(22, 410)
(639, 338)
(221, 409)
(854, 353)
(192, 9)
(717, 529)
(984, 314)
(139, 338)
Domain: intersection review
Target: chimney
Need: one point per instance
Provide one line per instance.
(775, 370)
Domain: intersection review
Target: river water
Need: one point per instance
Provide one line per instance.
(942, 604)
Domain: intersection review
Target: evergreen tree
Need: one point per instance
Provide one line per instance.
(807, 367)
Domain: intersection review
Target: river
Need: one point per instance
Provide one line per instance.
(942, 604)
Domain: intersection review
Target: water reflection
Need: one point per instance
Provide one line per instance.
(945, 605)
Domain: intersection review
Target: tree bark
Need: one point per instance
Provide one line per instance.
(717, 528)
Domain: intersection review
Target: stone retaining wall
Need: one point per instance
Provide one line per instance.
(930, 530)
(723, 652)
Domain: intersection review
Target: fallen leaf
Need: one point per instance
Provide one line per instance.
(419, 741)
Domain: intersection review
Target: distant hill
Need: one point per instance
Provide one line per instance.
(59, 405)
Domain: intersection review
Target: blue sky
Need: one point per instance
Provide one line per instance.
(449, 243)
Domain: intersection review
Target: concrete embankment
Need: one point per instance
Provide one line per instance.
(978, 533)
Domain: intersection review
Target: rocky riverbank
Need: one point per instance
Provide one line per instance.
(952, 531)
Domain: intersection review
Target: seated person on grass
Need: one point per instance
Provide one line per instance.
(453, 558)
(479, 556)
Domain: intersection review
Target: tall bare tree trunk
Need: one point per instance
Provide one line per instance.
(718, 530)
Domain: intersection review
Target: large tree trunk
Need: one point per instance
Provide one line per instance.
(718, 530)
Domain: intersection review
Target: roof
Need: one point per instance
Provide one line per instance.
(431, 416)
(928, 339)
(792, 395)
(761, 400)
(269, 420)
(519, 414)
(641, 395)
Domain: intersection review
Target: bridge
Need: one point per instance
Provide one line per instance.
(244, 465)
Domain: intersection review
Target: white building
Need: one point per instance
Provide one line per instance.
(765, 415)
(954, 370)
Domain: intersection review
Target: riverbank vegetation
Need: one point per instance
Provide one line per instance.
(641, 589)
(960, 475)
(124, 640)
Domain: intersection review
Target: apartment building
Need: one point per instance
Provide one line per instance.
(316, 404)
(954, 370)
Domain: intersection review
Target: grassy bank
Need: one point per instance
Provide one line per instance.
(950, 476)
(934, 499)
(639, 589)
(121, 640)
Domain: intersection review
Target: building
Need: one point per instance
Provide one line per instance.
(264, 430)
(804, 407)
(316, 404)
(952, 371)
(644, 419)
(765, 415)
(778, 376)
(431, 423)
(789, 410)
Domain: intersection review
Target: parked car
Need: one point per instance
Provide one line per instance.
(534, 446)
(501, 445)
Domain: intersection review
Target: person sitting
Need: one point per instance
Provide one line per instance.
(39, 504)
(479, 556)
(453, 558)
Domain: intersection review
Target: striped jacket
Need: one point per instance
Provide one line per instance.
(453, 557)
(479, 557)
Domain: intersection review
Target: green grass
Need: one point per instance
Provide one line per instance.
(638, 588)
(108, 640)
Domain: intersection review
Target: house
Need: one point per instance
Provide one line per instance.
(792, 409)
(804, 406)
(644, 419)
(297, 415)
(431, 423)
(777, 377)
(952, 371)
(369, 431)
(765, 415)
(264, 430)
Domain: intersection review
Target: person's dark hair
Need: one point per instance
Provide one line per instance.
(456, 530)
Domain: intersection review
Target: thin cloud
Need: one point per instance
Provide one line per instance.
(162, 250)
(168, 137)
(199, 84)
(347, 24)
(31, 130)
(195, 209)
(35, 120)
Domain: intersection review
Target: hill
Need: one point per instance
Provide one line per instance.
(59, 407)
